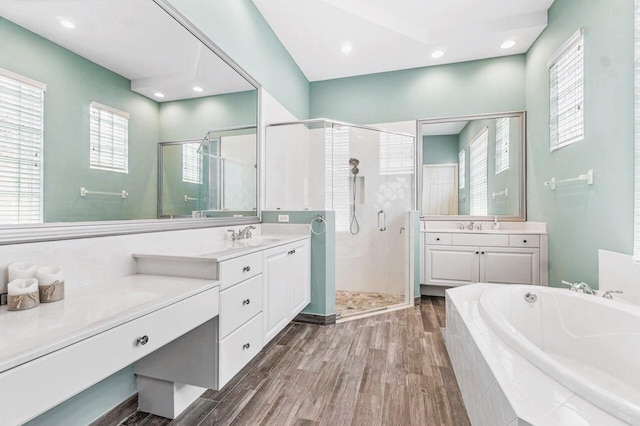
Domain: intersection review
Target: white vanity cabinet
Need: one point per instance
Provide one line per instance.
(287, 285)
(454, 259)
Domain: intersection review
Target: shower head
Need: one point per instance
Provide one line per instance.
(354, 162)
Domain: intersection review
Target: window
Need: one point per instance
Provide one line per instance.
(636, 245)
(462, 169)
(396, 154)
(108, 138)
(338, 170)
(566, 72)
(502, 145)
(21, 140)
(478, 175)
(191, 163)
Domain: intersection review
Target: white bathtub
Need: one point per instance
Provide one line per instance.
(588, 344)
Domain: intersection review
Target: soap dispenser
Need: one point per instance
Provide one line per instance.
(496, 224)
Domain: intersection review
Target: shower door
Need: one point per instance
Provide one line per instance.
(372, 204)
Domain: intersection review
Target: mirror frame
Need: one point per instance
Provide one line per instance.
(522, 115)
(16, 234)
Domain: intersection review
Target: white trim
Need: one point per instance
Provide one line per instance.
(110, 109)
(23, 79)
(565, 47)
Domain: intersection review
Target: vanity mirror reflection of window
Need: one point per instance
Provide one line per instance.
(102, 119)
(473, 166)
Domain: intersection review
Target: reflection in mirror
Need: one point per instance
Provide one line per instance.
(212, 177)
(85, 99)
(473, 166)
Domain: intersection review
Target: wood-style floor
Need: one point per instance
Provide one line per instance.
(389, 369)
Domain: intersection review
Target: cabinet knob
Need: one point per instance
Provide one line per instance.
(246, 302)
(481, 252)
(246, 346)
(437, 239)
(524, 241)
(246, 269)
(143, 340)
(477, 252)
(292, 252)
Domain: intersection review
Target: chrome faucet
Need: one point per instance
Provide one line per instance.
(608, 294)
(471, 226)
(246, 232)
(234, 235)
(580, 287)
(460, 225)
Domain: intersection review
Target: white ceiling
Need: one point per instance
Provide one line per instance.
(443, 129)
(134, 38)
(392, 35)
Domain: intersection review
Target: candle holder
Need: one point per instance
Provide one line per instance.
(51, 293)
(23, 294)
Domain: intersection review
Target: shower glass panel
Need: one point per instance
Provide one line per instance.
(364, 175)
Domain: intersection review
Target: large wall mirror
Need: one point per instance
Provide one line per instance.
(87, 99)
(474, 167)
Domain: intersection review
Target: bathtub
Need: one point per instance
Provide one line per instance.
(588, 344)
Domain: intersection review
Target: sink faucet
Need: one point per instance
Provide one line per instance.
(246, 232)
(608, 294)
(234, 234)
(460, 225)
(471, 226)
(580, 287)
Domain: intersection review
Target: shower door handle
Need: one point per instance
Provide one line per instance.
(382, 225)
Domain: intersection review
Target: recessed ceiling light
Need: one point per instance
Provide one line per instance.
(437, 54)
(158, 95)
(508, 44)
(198, 89)
(67, 24)
(346, 47)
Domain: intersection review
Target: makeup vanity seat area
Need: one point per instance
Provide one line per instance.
(57, 350)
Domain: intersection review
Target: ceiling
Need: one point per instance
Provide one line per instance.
(443, 129)
(393, 35)
(135, 39)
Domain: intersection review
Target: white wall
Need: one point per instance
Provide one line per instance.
(619, 272)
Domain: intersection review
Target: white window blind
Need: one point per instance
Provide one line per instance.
(502, 145)
(478, 174)
(566, 73)
(191, 163)
(462, 169)
(396, 154)
(108, 138)
(21, 140)
(340, 191)
(636, 243)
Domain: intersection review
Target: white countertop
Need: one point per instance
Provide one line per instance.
(446, 226)
(230, 249)
(87, 311)
(484, 231)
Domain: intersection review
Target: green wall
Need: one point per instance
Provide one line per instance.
(582, 218)
(440, 149)
(72, 83)
(239, 29)
(490, 85)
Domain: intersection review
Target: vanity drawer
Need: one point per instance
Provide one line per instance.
(55, 377)
(524, 240)
(471, 239)
(234, 271)
(240, 303)
(237, 349)
(437, 238)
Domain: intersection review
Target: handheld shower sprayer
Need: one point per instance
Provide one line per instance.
(354, 163)
(355, 226)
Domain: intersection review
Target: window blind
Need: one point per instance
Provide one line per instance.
(478, 175)
(462, 169)
(191, 163)
(108, 138)
(338, 139)
(396, 154)
(21, 140)
(502, 145)
(566, 73)
(636, 242)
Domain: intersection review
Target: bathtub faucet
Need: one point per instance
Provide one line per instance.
(580, 287)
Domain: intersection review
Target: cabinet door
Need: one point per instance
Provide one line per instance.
(451, 266)
(509, 265)
(277, 278)
(301, 292)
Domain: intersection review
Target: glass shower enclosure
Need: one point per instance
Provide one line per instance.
(366, 176)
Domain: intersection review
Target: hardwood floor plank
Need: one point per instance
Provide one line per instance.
(396, 405)
(368, 411)
(119, 413)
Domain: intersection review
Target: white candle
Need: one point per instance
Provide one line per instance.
(47, 275)
(22, 270)
(22, 286)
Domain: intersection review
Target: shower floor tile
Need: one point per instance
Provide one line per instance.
(356, 302)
